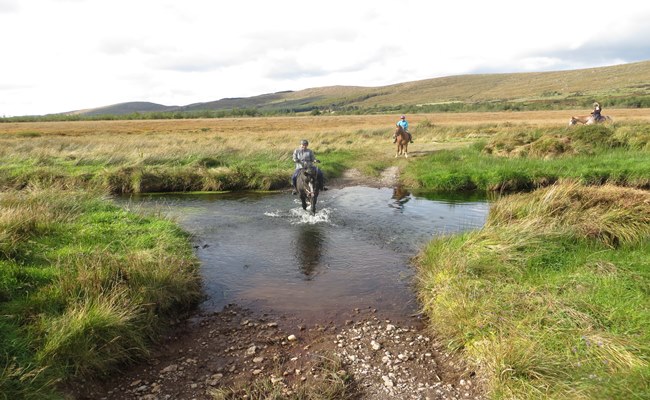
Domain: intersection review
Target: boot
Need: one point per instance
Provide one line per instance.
(294, 191)
(394, 139)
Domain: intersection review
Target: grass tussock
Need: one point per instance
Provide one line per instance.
(548, 143)
(92, 335)
(607, 213)
(549, 299)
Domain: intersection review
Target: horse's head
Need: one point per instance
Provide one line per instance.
(308, 167)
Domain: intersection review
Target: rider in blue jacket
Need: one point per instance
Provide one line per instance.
(405, 125)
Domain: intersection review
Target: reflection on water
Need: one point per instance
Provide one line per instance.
(401, 197)
(263, 251)
(309, 249)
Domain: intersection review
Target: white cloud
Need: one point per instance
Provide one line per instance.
(66, 55)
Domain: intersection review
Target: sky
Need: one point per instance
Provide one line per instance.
(65, 55)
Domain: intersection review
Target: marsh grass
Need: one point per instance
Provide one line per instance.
(519, 151)
(85, 287)
(549, 299)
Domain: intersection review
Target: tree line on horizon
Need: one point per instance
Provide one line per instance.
(349, 109)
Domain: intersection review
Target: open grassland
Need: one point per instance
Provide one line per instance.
(550, 299)
(255, 153)
(84, 287)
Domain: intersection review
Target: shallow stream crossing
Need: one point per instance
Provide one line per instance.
(263, 252)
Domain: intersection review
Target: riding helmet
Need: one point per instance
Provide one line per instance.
(403, 117)
(304, 141)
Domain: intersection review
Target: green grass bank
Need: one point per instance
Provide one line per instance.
(85, 287)
(522, 159)
(550, 300)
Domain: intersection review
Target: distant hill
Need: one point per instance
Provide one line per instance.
(565, 87)
(124, 108)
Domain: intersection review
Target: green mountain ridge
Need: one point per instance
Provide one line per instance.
(566, 87)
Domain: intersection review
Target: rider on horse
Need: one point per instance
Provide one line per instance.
(405, 126)
(302, 155)
(596, 112)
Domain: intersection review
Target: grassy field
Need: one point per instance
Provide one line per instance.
(237, 154)
(549, 299)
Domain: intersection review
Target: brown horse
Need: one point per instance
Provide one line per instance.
(402, 142)
(589, 120)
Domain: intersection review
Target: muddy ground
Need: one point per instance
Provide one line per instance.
(387, 357)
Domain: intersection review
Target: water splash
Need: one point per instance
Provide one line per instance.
(305, 217)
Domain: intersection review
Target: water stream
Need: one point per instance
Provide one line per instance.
(262, 251)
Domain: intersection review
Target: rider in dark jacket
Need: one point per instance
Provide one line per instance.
(301, 155)
(596, 112)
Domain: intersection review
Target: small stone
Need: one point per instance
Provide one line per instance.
(170, 368)
(142, 388)
(292, 338)
(258, 360)
(387, 381)
(251, 350)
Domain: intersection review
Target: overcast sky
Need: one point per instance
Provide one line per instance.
(64, 55)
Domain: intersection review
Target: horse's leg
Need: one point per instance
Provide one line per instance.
(303, 200)
(313, 204)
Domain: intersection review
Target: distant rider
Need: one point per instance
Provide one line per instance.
(596, 112)
(405, 125)
(301, 155)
